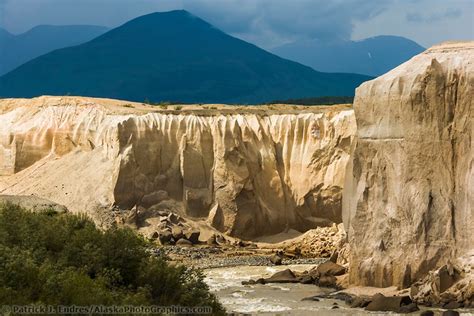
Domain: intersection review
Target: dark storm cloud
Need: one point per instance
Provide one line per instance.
(287, 19)
(265, 22)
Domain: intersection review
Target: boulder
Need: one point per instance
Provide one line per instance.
(212, 240)
(192, 235)
(311, 298)
(276, 259)
(347, 298)
(450, 313)
(220, 240)
(154, 198)
(163, 213)
(306, 279)
(383, 303)
(153, 235)
(452, 305)
(285, 276)
(131, 218)
(260, 281)
(427, 313)
(241, 243)
(410, 308)
(177, 232)
(360, 302)
(174, 218)
(447, 277)
(165, 236)
(330, 268)
(327, 281)
(184, 243)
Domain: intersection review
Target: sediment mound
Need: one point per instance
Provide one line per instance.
(409, 194)
(249, 171)
(32, 203)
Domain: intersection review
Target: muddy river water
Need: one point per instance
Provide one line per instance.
(276, 299)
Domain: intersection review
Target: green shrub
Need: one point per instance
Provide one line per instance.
(63, 259)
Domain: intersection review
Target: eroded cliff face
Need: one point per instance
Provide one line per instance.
(248, 171)
(409, 194)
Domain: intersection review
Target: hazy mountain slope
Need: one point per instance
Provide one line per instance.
(4, 34)
(18, 49)
(172, 56)
(372, 56)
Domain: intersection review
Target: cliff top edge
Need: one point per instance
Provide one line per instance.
(120, 107)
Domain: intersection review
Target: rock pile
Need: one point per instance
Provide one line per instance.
(323, 275)
(397, 304)
(321, 242)
(168, 229)
(451, 286)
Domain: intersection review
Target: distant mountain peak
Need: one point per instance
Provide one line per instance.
(18, 49)
(4, 32)
(172, 56)
(159, 16)
(371, 56)
(52, 26)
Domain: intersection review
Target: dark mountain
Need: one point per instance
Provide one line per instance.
(172, 56)
(4, 34)
(5, 37)
(373, 56)
(18, 49)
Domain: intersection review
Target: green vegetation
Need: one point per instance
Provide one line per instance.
(329, 100)
(162, 104)
(63, 259)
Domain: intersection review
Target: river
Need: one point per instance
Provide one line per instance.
(270, 299)
(279, 299)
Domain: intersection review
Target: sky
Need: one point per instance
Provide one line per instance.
(267, 23)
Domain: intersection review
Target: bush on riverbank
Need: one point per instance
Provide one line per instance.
(63, 259)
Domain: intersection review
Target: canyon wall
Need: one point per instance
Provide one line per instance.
(248, 171)
(409, 192)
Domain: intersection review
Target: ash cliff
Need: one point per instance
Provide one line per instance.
(404, 157)
(409, 193)
(248, 171)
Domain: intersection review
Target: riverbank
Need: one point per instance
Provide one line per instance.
(229, 268)
(287, 298)
(205, 257)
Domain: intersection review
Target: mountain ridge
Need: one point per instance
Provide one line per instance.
(371, 56)
(41, 39)
(172, 56)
